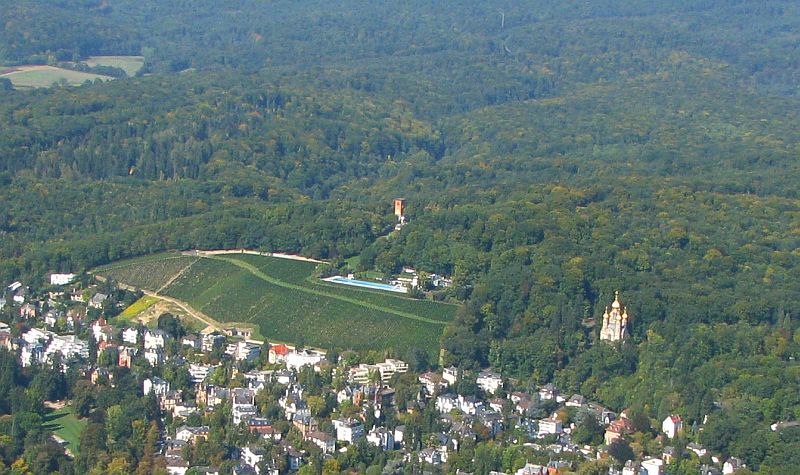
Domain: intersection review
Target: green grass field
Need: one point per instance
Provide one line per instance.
(26, 77)
(130, 64)
(281, 298)
(66, 425)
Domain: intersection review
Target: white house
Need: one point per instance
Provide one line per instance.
(154, 339)
(450, 375)
(200, 372)
(191, 433)
(551, 425)
(252, 456)
(155, 385)
(298, 359)
(432, 382)
(531, 469)
(243, 412)
(243, 351)
(176, 465)
(731, 466)
(653, 466)
(381, 437)
(61, 279)
(446, 403)
(154, 356)
(97, 300)
(130, 335)
(68, 346)
(324, 441)
(672, 426)
(489, 381)
(348, 430)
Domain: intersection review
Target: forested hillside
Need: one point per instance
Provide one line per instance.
(550, 153)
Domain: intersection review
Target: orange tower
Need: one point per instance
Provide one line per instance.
(399, 207)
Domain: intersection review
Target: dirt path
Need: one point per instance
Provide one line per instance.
(175, 277)
(279, 255)
(196, 314)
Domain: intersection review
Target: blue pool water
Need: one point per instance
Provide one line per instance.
(369, 285)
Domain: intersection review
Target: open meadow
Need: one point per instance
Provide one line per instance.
(29, 77)
(130, 64)
(66, 426)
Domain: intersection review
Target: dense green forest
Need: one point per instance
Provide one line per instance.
(550, 153)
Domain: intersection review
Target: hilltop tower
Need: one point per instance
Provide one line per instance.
(399, 207)
(615, 323)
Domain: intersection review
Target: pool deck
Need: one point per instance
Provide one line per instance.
(337, 279)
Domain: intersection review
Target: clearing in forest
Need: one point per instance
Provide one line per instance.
(35, 76)
(283, 299)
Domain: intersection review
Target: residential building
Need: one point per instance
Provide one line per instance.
(551, 425)
(653, 466)
(211, 341)
(450, 375)
(348, 430)
(243, 351)
(672, 426)
(278, 353)
(97, 300)
(381, 437)
(155, 385)
(61, 279)
(326, 442)
(191, 433)
(489, 381)
(154, 339)
(252, 456)
(298, 359)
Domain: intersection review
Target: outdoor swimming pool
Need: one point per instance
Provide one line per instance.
(369, 285)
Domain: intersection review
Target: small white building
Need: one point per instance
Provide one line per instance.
(348, 430)
(324, 441)
(381, 437)
(551, 425)
(450, 375)
(130, 335)
(61, 279)
(672, 426)
(731, 466)
(653, 466)
(252, 456)
(243, 351)
(155, 385)
(489, 381)
(154, 339)
(200, 372)
(154, 356)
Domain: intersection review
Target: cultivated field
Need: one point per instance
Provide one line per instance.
(281, 298)
(148, 273)
(130, 64)
(23, 77)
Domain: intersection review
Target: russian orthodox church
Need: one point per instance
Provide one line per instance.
(615, 322)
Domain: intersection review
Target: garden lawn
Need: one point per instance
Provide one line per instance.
(65, 424)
